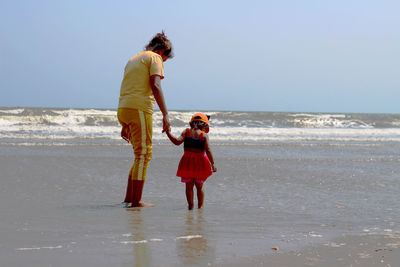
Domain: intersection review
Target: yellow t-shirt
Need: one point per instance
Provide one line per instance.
(135, 91)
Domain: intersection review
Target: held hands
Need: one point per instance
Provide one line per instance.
(166, 123)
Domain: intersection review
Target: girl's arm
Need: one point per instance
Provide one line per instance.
(209, 153)
(176, 140)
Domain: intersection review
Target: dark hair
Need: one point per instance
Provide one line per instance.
(160, 41)
(198, 124)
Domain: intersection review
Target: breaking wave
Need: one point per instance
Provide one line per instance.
(91, 124)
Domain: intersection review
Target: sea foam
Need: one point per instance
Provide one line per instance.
(90, 124)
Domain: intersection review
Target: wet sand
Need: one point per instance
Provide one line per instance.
(369, 250)
(332, 205)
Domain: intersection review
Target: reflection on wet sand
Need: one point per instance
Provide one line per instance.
(193, 248)
(140, 247)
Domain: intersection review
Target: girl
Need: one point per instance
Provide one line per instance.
(197, 162)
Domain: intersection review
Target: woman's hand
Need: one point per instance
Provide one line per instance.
(124, 133)
(166, 123)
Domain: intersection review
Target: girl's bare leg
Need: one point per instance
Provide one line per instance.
(189, 194)
(200, 195)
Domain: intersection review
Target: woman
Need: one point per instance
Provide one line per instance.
(140, 89)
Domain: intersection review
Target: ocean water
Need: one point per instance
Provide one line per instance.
(284, 180)
(36, 125)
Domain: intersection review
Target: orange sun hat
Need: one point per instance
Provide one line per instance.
(201, 117)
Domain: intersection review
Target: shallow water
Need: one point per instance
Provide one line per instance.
(60, 205)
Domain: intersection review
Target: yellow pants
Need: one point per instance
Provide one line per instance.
(140, 132)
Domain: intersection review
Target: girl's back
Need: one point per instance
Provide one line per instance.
(194, 140)
(195, 132)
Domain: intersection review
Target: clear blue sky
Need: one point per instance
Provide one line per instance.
(302, 56)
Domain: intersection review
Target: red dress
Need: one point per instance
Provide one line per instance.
(194, 163)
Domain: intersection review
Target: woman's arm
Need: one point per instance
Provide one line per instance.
(155, 83)
(209, 153)
(176, 140)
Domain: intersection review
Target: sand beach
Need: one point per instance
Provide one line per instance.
(320, 205)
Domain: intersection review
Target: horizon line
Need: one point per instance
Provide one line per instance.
(208, 110)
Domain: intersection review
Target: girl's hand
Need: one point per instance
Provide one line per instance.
(213, 168)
